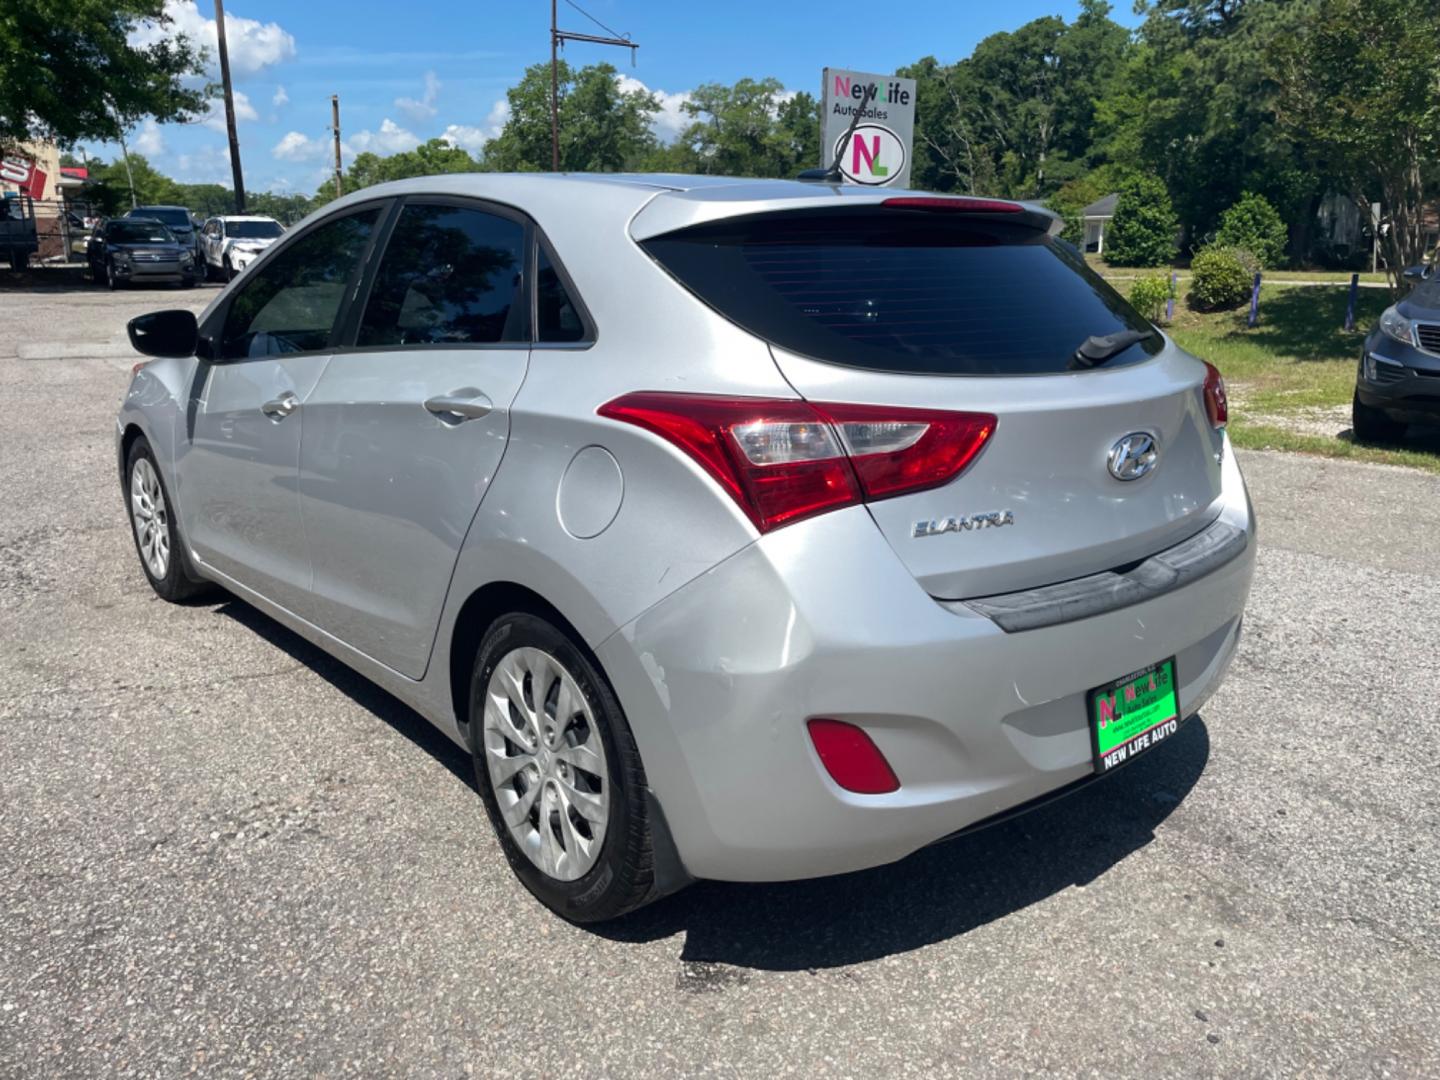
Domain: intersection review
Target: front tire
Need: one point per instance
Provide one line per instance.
(111, 281)
(229, 272)
(559, 771)
(152, 524)
(1372, 425)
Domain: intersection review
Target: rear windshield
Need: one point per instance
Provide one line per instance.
(900, 291)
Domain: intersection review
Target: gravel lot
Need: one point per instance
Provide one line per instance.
(220, 851)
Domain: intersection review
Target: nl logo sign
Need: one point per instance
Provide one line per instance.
(879, 153)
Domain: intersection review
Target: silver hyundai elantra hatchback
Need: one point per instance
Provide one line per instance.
(748, 530)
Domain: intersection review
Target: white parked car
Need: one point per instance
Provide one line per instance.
(231, 243)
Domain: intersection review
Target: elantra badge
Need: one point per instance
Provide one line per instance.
(1133, 456)
(991, 520)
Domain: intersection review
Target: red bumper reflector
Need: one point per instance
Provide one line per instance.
(851, 759)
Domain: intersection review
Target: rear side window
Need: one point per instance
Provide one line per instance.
(900, 291)
(556, 316)
(450, 275)
(289, 304)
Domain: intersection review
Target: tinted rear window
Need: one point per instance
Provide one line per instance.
(906, 292)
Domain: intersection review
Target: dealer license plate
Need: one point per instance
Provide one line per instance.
(1130, 715)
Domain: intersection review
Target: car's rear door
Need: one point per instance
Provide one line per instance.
(404, 430)
(240, 453)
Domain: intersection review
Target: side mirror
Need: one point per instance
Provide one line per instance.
(165, 333)
(1416, 273)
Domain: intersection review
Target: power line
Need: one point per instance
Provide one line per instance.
(612, 33)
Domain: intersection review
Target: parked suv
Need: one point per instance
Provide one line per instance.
(740, 529)
(175, 218)
(139, 251)
(229, 244)
(1398, 379)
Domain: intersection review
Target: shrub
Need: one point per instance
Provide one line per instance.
(1221, 278)
(1253, 224)
(1142, 232)
(1148, 295)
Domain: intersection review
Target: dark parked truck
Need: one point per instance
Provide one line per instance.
(18, 240)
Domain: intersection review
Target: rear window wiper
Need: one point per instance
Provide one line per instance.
(1098, 348)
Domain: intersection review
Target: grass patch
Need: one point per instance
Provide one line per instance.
(1290, 376)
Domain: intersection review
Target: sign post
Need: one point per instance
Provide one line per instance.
(879, 153)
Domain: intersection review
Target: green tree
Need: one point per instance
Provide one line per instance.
(1360, 83)
(430, 158)
(71, 71)
(1253, 224)
(151, 187)
(1142, 233)
(602, 128)
(748, 129)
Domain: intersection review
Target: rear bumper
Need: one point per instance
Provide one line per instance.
(821, 619)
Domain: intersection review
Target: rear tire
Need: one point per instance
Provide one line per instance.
(551, 744)
(19, 260)
(153, 526)
(1372, 425)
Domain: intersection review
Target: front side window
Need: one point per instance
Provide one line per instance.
(450, 276)
(290, 305)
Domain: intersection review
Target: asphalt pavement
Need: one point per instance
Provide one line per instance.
(223, 853)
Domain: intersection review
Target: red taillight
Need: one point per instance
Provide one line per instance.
(1217, 404)
(899, 450)
(851, 758)
(783, 460)
(954, 204)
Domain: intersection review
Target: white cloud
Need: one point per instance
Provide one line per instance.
(297, 146)
(672, 118)
(214, 117)
(470, 139)
(149, 142)
(419, 111)
(390, 139)
(251, 45)
(208, 165)
(280, 97)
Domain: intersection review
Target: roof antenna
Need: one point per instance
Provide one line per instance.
(833, 175)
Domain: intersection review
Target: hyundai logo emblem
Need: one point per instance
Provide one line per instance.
(1134, 455)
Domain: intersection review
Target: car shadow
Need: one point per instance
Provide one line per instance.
(403, 719)
(938, 893)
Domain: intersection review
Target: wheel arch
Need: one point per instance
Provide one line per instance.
(479, 612)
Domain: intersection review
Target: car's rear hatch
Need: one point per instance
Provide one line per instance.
(973, 309)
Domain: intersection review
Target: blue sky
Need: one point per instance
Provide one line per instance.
(410, 72)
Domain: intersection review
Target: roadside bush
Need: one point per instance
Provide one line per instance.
(1221, 278)
(1142, 232)
(1254, 225)
(1148, 296)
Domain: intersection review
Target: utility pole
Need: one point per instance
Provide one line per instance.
(557, 38)
(229, 108)
(335, 127)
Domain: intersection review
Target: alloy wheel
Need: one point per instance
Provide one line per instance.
(152, 520)
(546, 761)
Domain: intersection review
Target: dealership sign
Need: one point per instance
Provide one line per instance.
(878, 154)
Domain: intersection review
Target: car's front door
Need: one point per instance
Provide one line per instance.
(240, 453)
(404, 432)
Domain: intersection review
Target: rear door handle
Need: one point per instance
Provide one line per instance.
(460, 405)
(279, 408)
